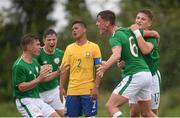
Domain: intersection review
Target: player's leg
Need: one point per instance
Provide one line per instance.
(56, 102)
(121, 94)
(134, 109)
(73, 106)
(155, 95)
(145, 109)
(115, 101)
(54, 114)
(46, 109)
(144, 95)
(61, 112)
(89, 106)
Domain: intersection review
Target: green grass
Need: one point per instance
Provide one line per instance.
(169, 106)
(8, 110)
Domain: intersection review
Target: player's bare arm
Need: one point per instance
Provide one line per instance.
(152, 33)
(116, 51)
(24, 86)
(95, 90)
(144, 46)
(64, 73)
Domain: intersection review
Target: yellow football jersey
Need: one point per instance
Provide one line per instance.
(82, 61)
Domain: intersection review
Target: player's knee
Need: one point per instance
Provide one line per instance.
(146, 113)
(135, 113)
(108, 106)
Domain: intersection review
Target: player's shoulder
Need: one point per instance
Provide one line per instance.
(71, 46)
(34, 60)
(121, 32)
(123, 29)
(59, 50)
(92, 43)
(18, 63)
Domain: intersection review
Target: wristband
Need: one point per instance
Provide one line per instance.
(137, 33)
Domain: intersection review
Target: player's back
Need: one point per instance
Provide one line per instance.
(131, 54)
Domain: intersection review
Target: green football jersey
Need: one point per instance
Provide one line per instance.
(131, 54)
(53, 59)
(24, 72)
(152, 59)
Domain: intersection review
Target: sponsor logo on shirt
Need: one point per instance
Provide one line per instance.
(30, 72)
(44, 62)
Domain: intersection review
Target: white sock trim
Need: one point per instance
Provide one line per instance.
(117, 114)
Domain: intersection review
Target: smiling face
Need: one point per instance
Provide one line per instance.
(50, 42)
(143, 21)
(78, 31)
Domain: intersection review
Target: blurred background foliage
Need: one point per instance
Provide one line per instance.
(31, 16)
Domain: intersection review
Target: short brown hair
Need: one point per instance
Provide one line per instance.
(79, 22)
(49, 32)
(147, 12)
(108, 15)
(27, 39)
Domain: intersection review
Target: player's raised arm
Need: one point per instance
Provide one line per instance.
(145, 47)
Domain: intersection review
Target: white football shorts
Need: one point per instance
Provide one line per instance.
(136, 86)
(52, 98)
(33, 107)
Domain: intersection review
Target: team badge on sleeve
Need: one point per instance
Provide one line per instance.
(56, 60)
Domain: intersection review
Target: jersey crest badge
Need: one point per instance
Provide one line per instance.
(56, 60)
(87, 54)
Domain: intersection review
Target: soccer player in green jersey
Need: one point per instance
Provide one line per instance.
(137, 77)
(49, 54)
(26, 75)
(149, 47)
